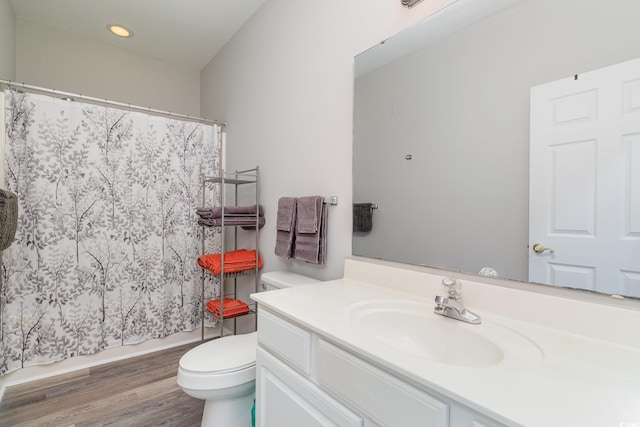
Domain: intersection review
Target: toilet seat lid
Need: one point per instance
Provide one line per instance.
(227, 354)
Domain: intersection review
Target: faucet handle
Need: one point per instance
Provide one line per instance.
(452, 287)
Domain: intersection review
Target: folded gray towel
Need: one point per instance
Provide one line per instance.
(285, 227)
(246, 222)
(216, 212)
(308, 216)
(8, 218)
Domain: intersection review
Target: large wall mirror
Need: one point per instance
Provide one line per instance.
(442, 127)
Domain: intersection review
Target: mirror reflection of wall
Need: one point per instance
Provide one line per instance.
(460, 107)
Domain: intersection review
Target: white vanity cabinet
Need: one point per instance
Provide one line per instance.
(303, 379)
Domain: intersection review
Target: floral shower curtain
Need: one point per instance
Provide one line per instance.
(107, 242)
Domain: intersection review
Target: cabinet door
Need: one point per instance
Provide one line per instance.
(286, 399)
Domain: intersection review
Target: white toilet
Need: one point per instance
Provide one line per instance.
(223, 372)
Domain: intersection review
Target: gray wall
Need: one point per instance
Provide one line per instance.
(7, 41)
(52, 58)
(461, 107)
(284, 83)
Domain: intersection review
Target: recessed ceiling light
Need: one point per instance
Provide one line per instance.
(119, 30)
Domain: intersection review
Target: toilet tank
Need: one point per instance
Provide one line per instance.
(283, 279)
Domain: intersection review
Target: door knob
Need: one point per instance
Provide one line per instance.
(539, 248)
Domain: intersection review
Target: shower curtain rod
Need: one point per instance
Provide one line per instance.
(75, 96)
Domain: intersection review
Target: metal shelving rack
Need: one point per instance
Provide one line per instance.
(236, 179)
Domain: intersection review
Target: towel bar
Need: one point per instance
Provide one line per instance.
(368, 205)
(331, 200)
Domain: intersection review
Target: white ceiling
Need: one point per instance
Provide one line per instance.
(185, 32)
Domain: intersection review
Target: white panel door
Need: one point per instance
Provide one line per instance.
(584, 200)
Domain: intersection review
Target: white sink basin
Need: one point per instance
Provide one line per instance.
(412, 327)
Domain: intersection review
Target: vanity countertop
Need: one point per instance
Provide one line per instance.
(578, 380)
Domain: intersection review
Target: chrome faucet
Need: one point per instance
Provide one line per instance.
(451, 305)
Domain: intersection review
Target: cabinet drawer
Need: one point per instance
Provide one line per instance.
(461, 416)
(384, 398)
(289, 342)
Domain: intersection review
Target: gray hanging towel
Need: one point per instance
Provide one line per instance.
(309, 214)
(310, 245)
(322, 255)
(362, 217)
(286, 227)
(8, 218)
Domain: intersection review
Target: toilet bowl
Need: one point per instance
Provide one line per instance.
(222, 372)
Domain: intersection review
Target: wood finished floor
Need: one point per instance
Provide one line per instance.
(140, 391)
